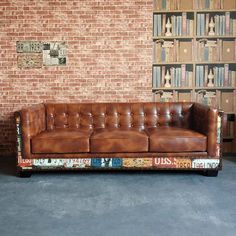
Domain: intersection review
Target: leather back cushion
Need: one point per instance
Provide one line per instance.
(118, 115)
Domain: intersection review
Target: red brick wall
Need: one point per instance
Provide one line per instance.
(109, 54)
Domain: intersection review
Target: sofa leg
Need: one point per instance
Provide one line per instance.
(211, 173)
(24, 174)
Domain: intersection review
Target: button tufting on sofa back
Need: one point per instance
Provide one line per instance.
(118, 115)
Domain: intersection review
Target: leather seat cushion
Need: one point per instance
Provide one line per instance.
(118, 140)
(61, 141)
(174, 139)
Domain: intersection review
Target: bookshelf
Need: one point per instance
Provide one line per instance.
(194, 56)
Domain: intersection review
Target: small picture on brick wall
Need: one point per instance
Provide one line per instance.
(29, 60)
(54, 53)
(29, 47)
(34, 54)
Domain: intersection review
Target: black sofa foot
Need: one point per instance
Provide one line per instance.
(24, 174)
(211, 173)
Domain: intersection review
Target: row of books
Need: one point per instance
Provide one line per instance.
(203, 50)
(205, 97)
(172, 4)
(179, 25)
(219, 25)
(213, 4)
(193, 4)
(217, 76)
(215, 50)
(172, 77)
(172, 51)
(222, 100)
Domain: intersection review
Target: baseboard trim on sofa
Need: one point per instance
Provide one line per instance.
(121, 163)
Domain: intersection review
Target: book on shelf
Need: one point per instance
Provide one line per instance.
(222, 76)
(208, 98)
(228, 125)
(208, 50)
(165, 96)
(227, 101)
(164, 51)
(214, 4)
(179, 76)
(223, 24)
(228, 50)
(215, 50)
(185, 96)
(185, 51)
(172, 51)
(181, 25)
(173, 5)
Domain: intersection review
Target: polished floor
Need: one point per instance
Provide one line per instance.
(118, 204)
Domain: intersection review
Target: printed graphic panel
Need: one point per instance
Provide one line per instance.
(25, 162)
(54, 53)
(62, 163)
(157, 163)
(106, 162)
(205, 163)
(29, 60)
(137, 162)
(184, 163)
(29, 47)
(164, 162)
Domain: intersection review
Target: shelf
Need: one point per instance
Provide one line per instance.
(173, 11)
(216, 37)
(172, 63)
(215, 88)
(172, 37)
(228, 138)
(215, 62)
(215, 10)
(229, 113)
(193, 11)
(171, 88)
(191, 63)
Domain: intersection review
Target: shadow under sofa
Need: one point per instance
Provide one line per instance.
(178, 135)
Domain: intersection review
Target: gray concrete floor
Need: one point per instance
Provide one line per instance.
(118, 204)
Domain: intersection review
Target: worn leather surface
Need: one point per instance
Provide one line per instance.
(205, 122)
(119, 128)
(61, 141)
(118, 115)
(175, 139)
(32, 123)
(122, 155)
(118, 140)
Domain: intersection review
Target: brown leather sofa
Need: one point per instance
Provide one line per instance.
(182, 136)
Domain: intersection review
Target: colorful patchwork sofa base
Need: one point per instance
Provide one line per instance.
(119, 136)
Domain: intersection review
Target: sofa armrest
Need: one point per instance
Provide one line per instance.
(31, 121)
(208, 121)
